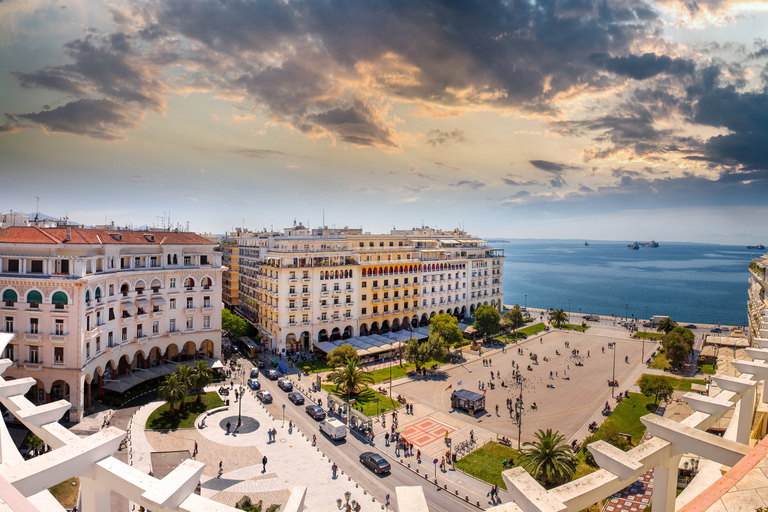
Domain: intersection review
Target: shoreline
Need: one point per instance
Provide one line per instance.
(610, 318)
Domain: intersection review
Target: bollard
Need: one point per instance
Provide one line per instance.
(466, 498)
(409, 465)
(445, 486)
(457, 492)
(417, 471)
(365, 492)
(478, 503)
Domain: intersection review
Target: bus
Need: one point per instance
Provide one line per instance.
(249, 347)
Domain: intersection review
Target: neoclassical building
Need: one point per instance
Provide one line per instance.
(97, 309)
(303, 287)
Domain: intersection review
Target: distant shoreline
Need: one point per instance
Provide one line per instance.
(581, 315)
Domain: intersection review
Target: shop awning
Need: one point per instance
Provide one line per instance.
(158, 301)
(128, 306)
(142, 303)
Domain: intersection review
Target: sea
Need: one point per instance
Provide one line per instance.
(689, 282)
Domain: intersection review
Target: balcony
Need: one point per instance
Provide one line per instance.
(306, 295)
(293, 280)
(306, 280)
(292, 324)
(36, 367)
(207, 309)
(376, 301)
(142, 339)
(142, 317)
(28, 336)
(58, 338)
(306, 308)
(126, 320)
(325, 306)
(157, 314)
(324, 321)
(190, 311)
(388, 287)
(293, 310)
(376, 288)
(174, 334)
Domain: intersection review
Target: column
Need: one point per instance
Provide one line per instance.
(746, 405)
(88, 395)
(101, 385)
(665, 486)
(92, 496)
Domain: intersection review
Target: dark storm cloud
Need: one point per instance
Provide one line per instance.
(100, 119)
(643, 66)
(359, 124)
(438, 137)
(555, 169)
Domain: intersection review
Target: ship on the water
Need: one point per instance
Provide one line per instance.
(652, 243)
(586, 244)
(759, 247)
(634, 246)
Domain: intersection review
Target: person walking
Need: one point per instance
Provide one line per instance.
(264, 464)
(221, 468)
(229, 425)
(386, 438)
(334, 468)
(194, 453)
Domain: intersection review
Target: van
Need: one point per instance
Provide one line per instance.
(333, 428)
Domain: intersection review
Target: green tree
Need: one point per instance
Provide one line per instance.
(558, 317)
(548, 459)
(201, 376)
(421, 353)
(678, 344)
(339, 355)
(234, 325)
(611, 435)
(487, 321)
(512, 319)
(666, 325)
(349, 377)
(446, 327)
(173, 391)
(658, 386)
(248, 506)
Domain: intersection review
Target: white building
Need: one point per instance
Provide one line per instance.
(95, 310)
(307, 286)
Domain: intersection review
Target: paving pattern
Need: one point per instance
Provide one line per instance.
(633, 498)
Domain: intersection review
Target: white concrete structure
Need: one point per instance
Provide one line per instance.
(105, 309)
(307, 286)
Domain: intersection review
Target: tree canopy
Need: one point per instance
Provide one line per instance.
(446, 327)
(421, 353)
(339, 355)
(658, 386)
(234, 325)
(666, 325)
(548, 459)
(487, 321)
(200, 377)
(558, 317)
(678, 344)
(512, 319)
(173, 391)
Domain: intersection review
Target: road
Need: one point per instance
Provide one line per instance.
(346, 454)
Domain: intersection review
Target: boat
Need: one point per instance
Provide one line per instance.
(586, 244)
(759, 247)
(652, 243)
(633, 246)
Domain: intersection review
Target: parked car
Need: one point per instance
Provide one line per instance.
(296, 398)
(716, 329)
(690, 326)
(254, 373)
(375, 462)
(260, 364)
(264, 396)
(285, 385)
(272, 375)
(315, 411)
(254, 384)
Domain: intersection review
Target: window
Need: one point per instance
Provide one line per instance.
(111, 290)
(34, 354)
(370, 244)
(206, 322)
(110, 339)
(305, 303)
(187, 260)
(9, 324)
(365, 284)
(291, 289)
(13, 266)
(336, 287)
(190, 323)
(386, 295)
(375, 309)
(155, 327)
(292, 275)
(58, 355)
(36, 267)
(305, 289)
(33, 325)
(292, 319)
(362, 244)
(206, 302)
(381, 244)
(375, 284)
(203, 259)
(61, 267)
(88, 349)
(305, 319)
(386, 308)
(58, 327)
(98, 344)
(125, 334)
(324, 288)
(306, 274)
(324, 316)
(172, 325)
(391, 244)
(291, 303)
(190, 302)
(172, 282)
(405, 304)
(363, 311)
(9, 349)
(172, 304)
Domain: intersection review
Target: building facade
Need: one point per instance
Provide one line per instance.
(88, 306)
(306, 286)
(230, 258)
(758, 305)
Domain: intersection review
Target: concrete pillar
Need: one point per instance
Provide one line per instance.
(746, 406)
(101, 385)
(665, 486)
(92, 496)
(88, 395)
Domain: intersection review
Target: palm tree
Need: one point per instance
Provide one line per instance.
(201, 376)
(558, 317)
(549, 460)
(349, 377)
(173, 391)
(666, 325)
(184, 375)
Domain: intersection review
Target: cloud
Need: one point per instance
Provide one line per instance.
(359, 124)
(421, 174)
(437, 137)
(475, 185)
(554, 168)
(640, 67)
(517, 181)
(100, 119)
(258, 153)
(449, 167)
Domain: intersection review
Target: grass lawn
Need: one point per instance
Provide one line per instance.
(367, 398)
(66, 493)
(485, 463)
(660, 361)
(707, 369)
(528, 331)
(398, 371)
(649, 335)
(161, 418)
(579, 327)
(626, 416)
(683, 384)
(316, 366)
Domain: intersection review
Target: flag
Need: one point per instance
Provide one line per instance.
(449, 387)
(486, 389)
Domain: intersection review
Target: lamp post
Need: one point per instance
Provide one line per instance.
(346, 506)
(240, 403)
(525, 304)
(626, 313)
(569, 311)
(646, 322)
(613, 380)
(519, 413)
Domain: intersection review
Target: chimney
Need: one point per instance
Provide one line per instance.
(69, 234)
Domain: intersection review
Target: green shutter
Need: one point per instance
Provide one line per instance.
(34, 296)
(87, 295)
(10, 295)
(59, 298)
(98, 293)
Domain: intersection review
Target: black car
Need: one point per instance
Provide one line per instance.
(296, 398)
(261, 364)
(375, 462)
(690, 326)
(264, 396)
(315, 411)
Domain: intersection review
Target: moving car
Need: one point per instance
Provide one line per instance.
(690, 326)
(272, 375)
(260, 364)
(315, 411)
(254, 373)
(285, 385)
(254, 384)
(716, 329)
(296, 398)
(375, 462)
(333, 428)
(264, 396)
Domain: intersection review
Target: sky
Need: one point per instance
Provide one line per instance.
(601, 120)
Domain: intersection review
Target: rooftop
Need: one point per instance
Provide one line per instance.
(84, 236)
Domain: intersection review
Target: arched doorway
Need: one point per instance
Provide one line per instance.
(375, 328)
(59, 391)
(424, 320)
(291, 343)
(322, 336)
(364, 330)
(335, 334)
(171, 353)
(304, 339)
(155, 357)
(37, 394)
(188, 351)
(124, 366)
(206, 349)
(347, 332)
(385, 327)
(139, 361)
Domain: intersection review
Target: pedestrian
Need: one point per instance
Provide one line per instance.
(442, 464)
(490, 362)
(497, 409)
(229, 425)
(334, 468)
(418, 456)
(386, 438)
(587, 353)
(314, 439)
(194, 453)
(221, 468)
(472, 436)
(264, 464)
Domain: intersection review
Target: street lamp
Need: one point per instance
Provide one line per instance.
(646, 323)
(519, 413)
(613, 380)
(569, 311)
(626, 313)
(526, 302)
(346, 506)
(240, 403)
